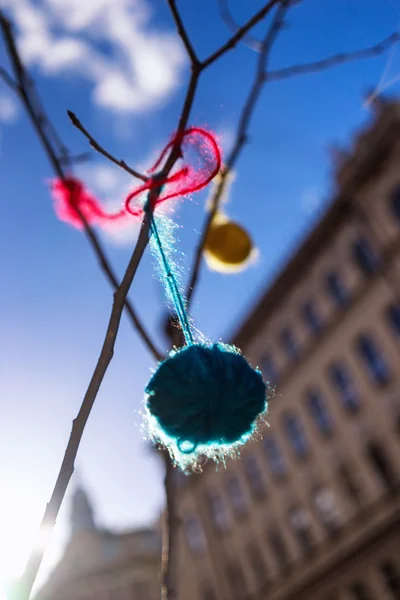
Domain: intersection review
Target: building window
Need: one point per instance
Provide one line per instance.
(257, 563)
(365, 257)
(236, 580)
(350, 486)
(279, 549)
(377, 368)
(327, 509)
(237, 496)
(395, 203)
(381, 464)
(255, 477)
(312, 318)
(343, 383)
(300, 521)
(219, 513)
(391, 577)
(336, 289)
(319, 412)
(360, 591)
(269, 369)
(195, 535)
(275, 457)
(393, 318)
(296, 436)
(289, 344)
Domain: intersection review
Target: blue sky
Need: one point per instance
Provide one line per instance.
(120, 66)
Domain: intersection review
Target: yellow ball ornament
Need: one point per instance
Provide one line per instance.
(228, 246)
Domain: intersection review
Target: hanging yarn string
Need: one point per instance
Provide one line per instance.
(204, 399)
(172, 284)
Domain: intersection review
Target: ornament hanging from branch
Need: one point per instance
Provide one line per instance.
(204, 399)
(228, 247)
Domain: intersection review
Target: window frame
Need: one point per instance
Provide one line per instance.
(301, 447)
(320, 415)
(312, 318)
(276, 460)
(338, 293)
(378, 368)
(350, 398)
(365, 256)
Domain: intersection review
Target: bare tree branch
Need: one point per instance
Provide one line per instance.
(240, 34)
(229, 21)
(39, 122)
(120, 163)
(79, 423)
(8, 80)
(182, 32)
(61, 150)
(335, 60)
(241, 139)
(170, 535)
(76, 158)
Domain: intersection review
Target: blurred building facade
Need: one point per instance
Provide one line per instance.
(104, 565)
(312, 510)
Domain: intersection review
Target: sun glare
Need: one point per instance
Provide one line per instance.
(14, 552)
(11, 567)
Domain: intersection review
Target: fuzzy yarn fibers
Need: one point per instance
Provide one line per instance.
(204, 400)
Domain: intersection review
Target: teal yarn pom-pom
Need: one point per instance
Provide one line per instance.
(204, 400)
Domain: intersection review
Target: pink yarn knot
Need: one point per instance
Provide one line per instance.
(202, 161)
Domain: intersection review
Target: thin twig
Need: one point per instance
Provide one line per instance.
(239, 35)
(79, 423)
(241, 139)
(51, 132)
(335, 60)
(182, 32)
(170, 534)
(229, 21)
(94, 143)
(38, 123)
(8, 80)
(76, 158)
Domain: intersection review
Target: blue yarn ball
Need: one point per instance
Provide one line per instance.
(205, 396)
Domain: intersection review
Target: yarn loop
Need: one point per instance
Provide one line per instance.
(202, 161)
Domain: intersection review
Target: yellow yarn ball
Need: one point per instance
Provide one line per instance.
(228, 243)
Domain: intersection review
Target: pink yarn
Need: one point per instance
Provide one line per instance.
(202, 161)
(69, 193)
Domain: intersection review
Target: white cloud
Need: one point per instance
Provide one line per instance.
(105, 180)
(131, 65)
(8, 109)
